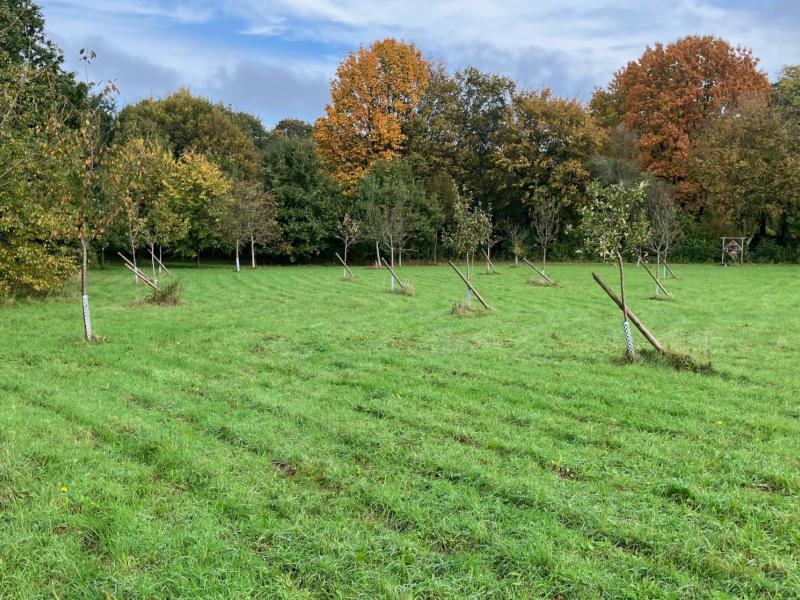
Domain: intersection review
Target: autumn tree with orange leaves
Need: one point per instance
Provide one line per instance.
(375, 91)
(668, 95)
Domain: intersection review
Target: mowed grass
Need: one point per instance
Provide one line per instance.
(287, 434)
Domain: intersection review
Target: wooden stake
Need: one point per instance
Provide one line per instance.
(469, 286)
(489, 261)
(160, 264)
(344, 264)
(671, 272)
(396, 278)
(531, 265)
(632, 317)
(137, 271)
(654, 278)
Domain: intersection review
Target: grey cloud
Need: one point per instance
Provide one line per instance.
(135, 76)
(270, 91)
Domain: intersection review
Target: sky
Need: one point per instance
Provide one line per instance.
(275, 58)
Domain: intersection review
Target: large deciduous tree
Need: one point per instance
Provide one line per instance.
(668, 94)
(309, 203)
(375, 91)
(183, 122)
(200, 191)
(747, 167)
(39, 106)
(139, 173)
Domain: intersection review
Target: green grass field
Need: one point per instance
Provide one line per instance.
(287, 434)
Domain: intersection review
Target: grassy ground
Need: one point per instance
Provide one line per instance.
(287, 434)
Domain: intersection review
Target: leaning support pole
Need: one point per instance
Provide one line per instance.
(490, 263)
(654, 278)
(391, 270)
(160, 264)
(344, 264)
(541, 273)
(469, 286)
(138, 272)
(666, 265)
(143, 277)
(632, 317)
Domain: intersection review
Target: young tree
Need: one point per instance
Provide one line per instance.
(393, 206)
(665, 227)
(136, 173)
(545, 212)
(258, 211)
(516, 236)
(472, 226)
(87, 207)
(348, 230)
(374, 93)
(614, 223)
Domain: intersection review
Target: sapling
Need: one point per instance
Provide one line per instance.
(545, 212)
(516, 237)
(471, 228)
(348, 230)
(614, 223)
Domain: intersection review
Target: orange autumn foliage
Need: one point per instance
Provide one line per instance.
(375, 91)
(668, 95)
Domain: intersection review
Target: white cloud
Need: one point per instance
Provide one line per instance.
(569, 45)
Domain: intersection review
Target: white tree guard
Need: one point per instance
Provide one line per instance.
(628, 339)
(86, 318)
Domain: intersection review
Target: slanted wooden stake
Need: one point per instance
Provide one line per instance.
(160, 264)
(489, 263)
(654, 278)
(668, 268)
(391, 270)
(344, 264)
(138, 272)
(469, 286)
(632, 317)
(532, 266)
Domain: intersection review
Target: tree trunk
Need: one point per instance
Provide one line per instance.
(87, 320)
(391, 262)
(153, 261)
(435, 242)
(516, 261)
(377, 254)
(626, 327)
(198, 259)
(238, 268)
(133, 253)
(103, 257)
(658, 270)
(469, 278)
(160, 259)
(345, 252)
(252, 252)
(544, 259)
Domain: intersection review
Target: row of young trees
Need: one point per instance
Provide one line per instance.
(406, 155)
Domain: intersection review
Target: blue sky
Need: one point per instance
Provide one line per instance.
(274, 58)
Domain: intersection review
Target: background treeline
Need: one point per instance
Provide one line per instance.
(404, 149)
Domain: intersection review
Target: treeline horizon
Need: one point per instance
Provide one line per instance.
(404, 144)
